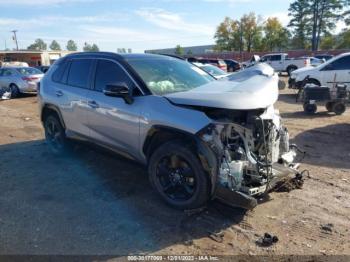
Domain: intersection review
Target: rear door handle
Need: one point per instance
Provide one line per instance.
(59, 93)
(93, 104)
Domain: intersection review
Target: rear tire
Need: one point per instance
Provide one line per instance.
(339, 108)
(178, 176)
(14, 91)
(55, 135)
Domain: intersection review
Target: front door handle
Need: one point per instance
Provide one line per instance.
(59, 93)
(93, 104)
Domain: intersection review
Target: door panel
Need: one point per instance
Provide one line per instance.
(112, 121)
(72, 96)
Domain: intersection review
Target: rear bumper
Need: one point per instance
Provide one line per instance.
(30, 87)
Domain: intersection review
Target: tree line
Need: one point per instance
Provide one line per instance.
(40, 45)
(311, 26)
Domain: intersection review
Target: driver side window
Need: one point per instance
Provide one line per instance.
(265, 59)
(108, 72)
(340, 64)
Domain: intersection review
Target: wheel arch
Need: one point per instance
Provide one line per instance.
(158, 135)
(290, 67)
(48, 109)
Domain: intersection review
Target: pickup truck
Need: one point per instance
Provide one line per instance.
(281, 62)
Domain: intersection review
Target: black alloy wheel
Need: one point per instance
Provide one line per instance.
(55, 135)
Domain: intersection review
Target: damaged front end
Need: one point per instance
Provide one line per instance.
(252, 154)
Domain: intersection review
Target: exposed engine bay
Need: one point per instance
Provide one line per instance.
(253, 149)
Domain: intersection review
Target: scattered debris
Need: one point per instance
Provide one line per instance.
(267, 240)
(218, 237)
(272, 217)
(27, 118)
(6, 95)
(188, 242)
(327, 227)
(290, 184)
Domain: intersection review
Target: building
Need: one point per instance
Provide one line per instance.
(189, 50)
(32, 58)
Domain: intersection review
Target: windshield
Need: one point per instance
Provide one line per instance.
(165, 75)
(29, 71)
(213, 70)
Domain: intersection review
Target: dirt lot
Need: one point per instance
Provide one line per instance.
(94, 202)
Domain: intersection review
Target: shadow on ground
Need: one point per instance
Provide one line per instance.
(327, 146)
(90, 202)
(303, 115)
(288, 98)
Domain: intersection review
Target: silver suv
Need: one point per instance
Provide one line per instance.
(199, 137)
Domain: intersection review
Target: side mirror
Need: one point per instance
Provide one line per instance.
(120, 89)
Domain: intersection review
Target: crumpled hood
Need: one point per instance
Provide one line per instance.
(253, 88)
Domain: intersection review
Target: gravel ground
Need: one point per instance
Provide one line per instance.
(92, 202)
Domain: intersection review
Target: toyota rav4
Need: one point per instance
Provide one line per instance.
(200, 138)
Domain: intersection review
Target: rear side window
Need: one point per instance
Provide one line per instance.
(7, 72)
(108, 72)
(275, 58)
(79, 73)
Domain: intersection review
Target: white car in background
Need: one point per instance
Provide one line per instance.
(330, 73)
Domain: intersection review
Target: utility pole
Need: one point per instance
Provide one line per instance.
(15, 38)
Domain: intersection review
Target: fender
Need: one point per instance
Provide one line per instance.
(50, 107)
(207, 156)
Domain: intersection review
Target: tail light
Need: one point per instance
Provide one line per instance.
(29, 78)
(306, 62)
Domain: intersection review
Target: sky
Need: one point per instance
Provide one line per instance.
(135, 24)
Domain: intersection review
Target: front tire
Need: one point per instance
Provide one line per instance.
(178, 176)
(310, 108)
(55, 135)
